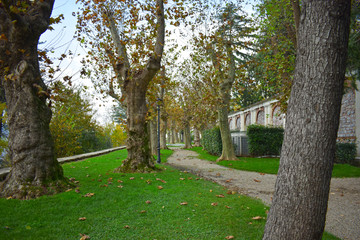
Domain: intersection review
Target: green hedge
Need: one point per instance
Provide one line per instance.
(345, 152)
(264, 140)
(211, 141)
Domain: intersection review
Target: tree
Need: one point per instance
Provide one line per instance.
(35, 170)
(299, 205)
(134, 72)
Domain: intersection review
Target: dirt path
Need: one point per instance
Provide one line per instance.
(343, 216)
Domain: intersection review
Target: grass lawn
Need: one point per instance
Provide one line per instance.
(271, 165)
(133, 206)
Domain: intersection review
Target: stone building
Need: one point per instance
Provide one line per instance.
(268, 112)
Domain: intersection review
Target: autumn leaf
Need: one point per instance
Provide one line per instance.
(82, 219)
(89, 195)
(148, 202)
(182, 179)
(214, 204)
(132, 178)
(68, 190)
(220, 196)
(158, 179)
(120, 186)
(143, 211)
(262, 173)
(183, 203)
(119, 181)
(84, 236)
(218, 174)
(257, 180)
(126, 226)
(227, 207)
(257, 218)
(229, 237)
(160, 187)
(229, 180)
(77, 190)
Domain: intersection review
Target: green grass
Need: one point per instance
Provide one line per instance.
(271, 165)
(111, 208)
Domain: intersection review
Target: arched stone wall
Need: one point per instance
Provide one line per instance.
(277, 116)
(260, 116)
(238, 123)
(247, 119)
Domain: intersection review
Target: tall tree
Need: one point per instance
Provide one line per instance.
(299, 205)
(35, 170)
(133, 73)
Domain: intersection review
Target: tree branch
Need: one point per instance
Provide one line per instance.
(160, 38)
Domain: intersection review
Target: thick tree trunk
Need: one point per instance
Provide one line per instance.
(153, 136)
(197, 138)
(163, 134)
(187, 135)
(301, 194)
(35, 170)
(138, 145)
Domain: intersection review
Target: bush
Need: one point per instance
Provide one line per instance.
(345, 152)
(211, 140)
(264, 140)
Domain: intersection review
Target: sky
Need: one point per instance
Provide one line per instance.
(61, 39)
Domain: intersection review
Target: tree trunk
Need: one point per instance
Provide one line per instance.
(301, 194)
(177, 139)
(163, 134)
(153, 136)
(187, 135)
(197, 138)
(173, 133)
(138, 145)
(35, 170)
(228, 152)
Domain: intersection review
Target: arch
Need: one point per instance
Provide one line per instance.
(277, 116)
(238, 122)
(260, 116)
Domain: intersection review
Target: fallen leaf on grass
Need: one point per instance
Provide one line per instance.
(190, 178)
(126, 226)
(132, 178)
(143, 211)
(77, 190)
(257, 218)
(257, 180)
(220, 196)
(214, 204)
(210, 190)
(227, 207)
(99, 180)
(159, 187)
(229, 237)
(82, 219)
(89, 195)
(250, 223)
(104, 185)
(119, 181)
(84, 236)
(261, 173)
(148, 181)
(158, 179)
(147, 202)
(231, 192)
(120, 186)
(182, 179)
(70, 189)
(183, 203)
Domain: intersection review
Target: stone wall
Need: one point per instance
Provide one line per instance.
(268, 113)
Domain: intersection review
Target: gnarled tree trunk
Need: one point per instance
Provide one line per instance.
(35, 170)
(187, 134)
(197, 138)
(299, 206)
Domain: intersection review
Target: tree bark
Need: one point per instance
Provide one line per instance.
(153, 136)
(35, 170)
(187, 135)
(197, 138)
(163, 133)
(177, 139)
(301, 194)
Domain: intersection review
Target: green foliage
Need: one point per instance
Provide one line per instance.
(73, 129)
(211, 140)
(345, 152)
(264, 140)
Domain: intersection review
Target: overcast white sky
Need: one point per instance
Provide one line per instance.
(61, 39)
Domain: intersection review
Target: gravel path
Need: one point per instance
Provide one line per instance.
(343, 216)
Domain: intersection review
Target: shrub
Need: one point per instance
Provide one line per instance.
(211, 140)
(264, 140)
(345, 152)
